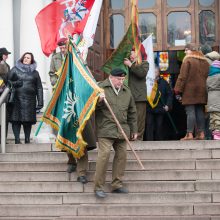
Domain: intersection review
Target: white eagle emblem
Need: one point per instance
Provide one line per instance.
(69, 110)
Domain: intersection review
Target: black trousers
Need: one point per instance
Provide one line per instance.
(154, 130)
(16, 127)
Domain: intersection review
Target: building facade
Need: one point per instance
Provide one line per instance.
(173, 24)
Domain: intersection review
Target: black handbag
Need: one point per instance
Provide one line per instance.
(11, 96)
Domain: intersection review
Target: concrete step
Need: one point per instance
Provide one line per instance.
(112, 198)
(209, 186)
(144, 155)
(19, 148)
(129, 176)
(149, 186)
(135, 210)
(131, 165)
(96, 210)
(139, 198)
(38, 187)
(60, 187)
(172, 145)
(115, 218)
(38, 211)
(137, 145)
(207, 209)
(140, 218)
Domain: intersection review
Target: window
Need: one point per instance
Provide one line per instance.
(178, 3)
(116, 30)
(206, 3)
(179, 28)
(115, 4)
(207, 28)
(146, 4)
(148, 25)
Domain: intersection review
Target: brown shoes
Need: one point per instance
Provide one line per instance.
(200, 136)
(188, 137)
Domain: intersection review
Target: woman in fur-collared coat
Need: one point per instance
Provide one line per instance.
(27, 98)
(191, 85)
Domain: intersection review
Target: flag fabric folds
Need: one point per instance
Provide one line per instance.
(135, 31)
(60, 19)
(153, 94)
(72, 103)
(123, 51)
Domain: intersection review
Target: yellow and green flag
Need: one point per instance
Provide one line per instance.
(73, 101)
(116, 60)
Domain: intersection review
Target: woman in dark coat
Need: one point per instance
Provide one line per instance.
(27, 98)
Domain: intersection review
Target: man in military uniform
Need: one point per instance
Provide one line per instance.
(88, 133)
(137, 84)
(57, 60)
(123, 105)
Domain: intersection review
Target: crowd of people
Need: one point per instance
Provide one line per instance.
(197, 88)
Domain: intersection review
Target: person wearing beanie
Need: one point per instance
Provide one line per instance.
(191, 85)
(122, 103)
(213, 105)
(205, 48)
(137, 84)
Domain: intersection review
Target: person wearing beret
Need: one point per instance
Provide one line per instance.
(122, 103)
(57, 60)
(55, 65)
(88, 133)
(137, 84)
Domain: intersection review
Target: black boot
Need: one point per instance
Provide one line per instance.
(27, 140)
(17, 141)
(16, 127)
(27, 132)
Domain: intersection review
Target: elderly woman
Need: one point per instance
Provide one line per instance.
(23, 109)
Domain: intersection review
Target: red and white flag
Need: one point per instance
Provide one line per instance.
(90, 29)
(60, 19)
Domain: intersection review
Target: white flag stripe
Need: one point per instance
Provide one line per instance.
(90, 28)
(148, 45)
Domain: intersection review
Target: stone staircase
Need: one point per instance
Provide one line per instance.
(181, 182)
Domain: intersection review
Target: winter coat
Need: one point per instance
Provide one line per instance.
(137, 81)
(213, 87)
(124, 108)
(166, 97)
(24, 106)
(55, 65)
(191, 81)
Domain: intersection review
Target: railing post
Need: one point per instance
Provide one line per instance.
(3, 127)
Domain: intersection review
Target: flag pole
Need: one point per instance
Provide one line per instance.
(123, 133)
(169, 116)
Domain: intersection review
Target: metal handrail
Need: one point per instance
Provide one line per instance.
(3, 118)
